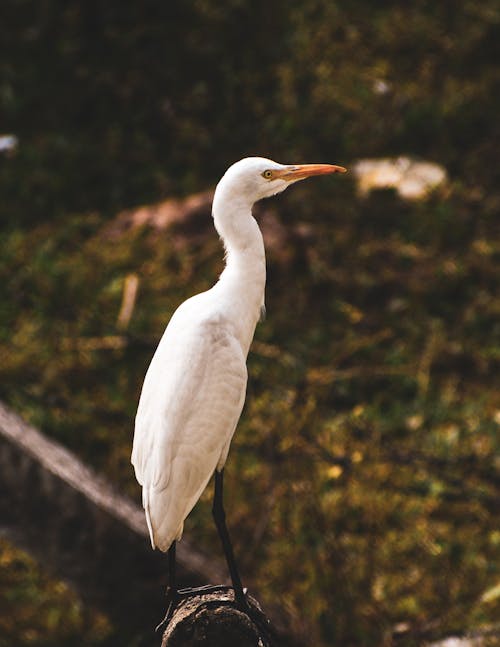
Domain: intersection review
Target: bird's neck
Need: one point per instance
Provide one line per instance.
(241, 235)
(244, 277)
(246, 267)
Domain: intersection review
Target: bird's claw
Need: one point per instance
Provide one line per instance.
(201, 590)
(173, 600)
(256, 616)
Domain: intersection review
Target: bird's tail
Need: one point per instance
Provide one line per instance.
(145, 503)
(159, 522)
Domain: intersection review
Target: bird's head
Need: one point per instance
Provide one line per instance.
(254, 178)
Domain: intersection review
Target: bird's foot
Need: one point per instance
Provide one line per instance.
(201, 590)
(173, 600)
(255, 614)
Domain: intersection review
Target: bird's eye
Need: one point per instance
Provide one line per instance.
(267, 174)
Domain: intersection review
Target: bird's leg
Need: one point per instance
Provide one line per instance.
(255, 615)
(220, 521)
(175, 595)
(172, 594)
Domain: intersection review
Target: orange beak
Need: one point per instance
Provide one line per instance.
(302, 171)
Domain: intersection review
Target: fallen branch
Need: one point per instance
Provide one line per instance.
(86, 532)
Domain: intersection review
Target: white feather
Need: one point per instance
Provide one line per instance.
(194, 389)
(191, 401)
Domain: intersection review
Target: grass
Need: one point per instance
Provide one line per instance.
(369, 440)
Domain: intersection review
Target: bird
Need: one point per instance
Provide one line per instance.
(194, 389)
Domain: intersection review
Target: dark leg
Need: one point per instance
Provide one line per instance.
(239, 593)
(220, 522)
(172, 596)
(171, 567)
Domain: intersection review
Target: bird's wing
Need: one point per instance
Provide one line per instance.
(190, 404)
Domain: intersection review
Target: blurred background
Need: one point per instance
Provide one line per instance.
(363, 480)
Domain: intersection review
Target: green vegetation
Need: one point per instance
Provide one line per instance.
(363, 480)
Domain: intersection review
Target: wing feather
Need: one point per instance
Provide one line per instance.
(191, 401)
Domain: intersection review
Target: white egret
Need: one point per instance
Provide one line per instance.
(195, 386)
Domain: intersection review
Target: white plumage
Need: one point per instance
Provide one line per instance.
(194, 389)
